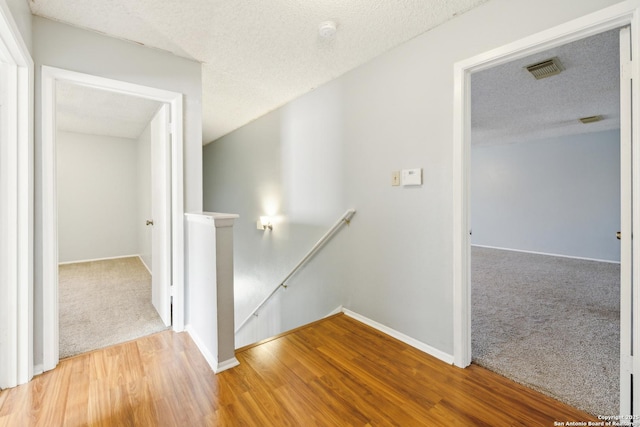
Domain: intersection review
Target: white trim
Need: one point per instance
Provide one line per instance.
(16, 208)
(626, 229)
(227, 364)
(145, 265)
(49, 220)
(101, 259)
(107, 259)
(216, 366)
(630, 397)
(630, 218)
(212, 218)
(546, 254)
(447, 358)
(616, 16)
(49, 209)
(210, 358)
(337, 310)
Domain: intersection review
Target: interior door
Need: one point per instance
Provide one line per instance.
(629, 391)
(161, 211)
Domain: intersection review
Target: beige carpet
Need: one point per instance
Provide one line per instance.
(102, 303)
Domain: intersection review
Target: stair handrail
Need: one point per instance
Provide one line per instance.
(344, 219)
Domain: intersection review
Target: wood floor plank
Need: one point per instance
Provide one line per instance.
(48, 396)
(260, 392)
(334, 372)
(166, 414)
(338, 384)
(76, 410)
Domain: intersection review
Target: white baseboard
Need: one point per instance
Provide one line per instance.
(216, 366)
(145, 264)
(99, 259)
(211, 360)
(38, 369)
(227, 364)
(447, 358)
(337, 310)
(547, 254)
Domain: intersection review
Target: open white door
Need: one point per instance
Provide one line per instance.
(161, 211)
(629, 390)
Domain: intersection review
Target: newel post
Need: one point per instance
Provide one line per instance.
(210, 309)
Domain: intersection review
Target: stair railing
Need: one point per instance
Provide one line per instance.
(344, 219)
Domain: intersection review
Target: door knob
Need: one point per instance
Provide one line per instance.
(150, 222)
(618, 235)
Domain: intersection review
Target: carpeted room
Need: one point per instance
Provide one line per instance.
(104, 198)
(545, 209)
(550, 323)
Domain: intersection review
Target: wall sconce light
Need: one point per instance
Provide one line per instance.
(264, 223)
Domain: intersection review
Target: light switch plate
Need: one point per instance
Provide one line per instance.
(412, 176)
(395, 178)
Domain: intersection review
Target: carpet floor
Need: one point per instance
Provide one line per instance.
(550, 323)
(102, 303)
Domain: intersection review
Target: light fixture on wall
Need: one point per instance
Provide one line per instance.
(264, 223)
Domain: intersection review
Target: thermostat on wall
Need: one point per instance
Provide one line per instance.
(412, 176)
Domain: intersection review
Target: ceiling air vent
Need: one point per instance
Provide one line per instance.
(547, 68)
(590, 119)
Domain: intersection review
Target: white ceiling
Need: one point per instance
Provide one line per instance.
(508, 104)
(256, 54)
(83, 109)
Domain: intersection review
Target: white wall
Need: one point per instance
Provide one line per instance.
(59, 45)
(556, 196)
(144, 196)
(71, 48)
(107, 181)
(284, 165)
(22, 16)
(394, 265)
(97, 196)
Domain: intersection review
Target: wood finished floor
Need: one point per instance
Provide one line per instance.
(336, 372)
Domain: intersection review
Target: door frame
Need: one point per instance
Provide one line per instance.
(16, 208)
(49, 76)
(619, 15)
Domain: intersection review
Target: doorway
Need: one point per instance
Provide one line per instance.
(606, 19)
(172, 189)
(104, 145)
(545, 207)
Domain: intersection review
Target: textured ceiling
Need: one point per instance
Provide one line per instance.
(508, 104)
(257, 55)
(92, 111)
